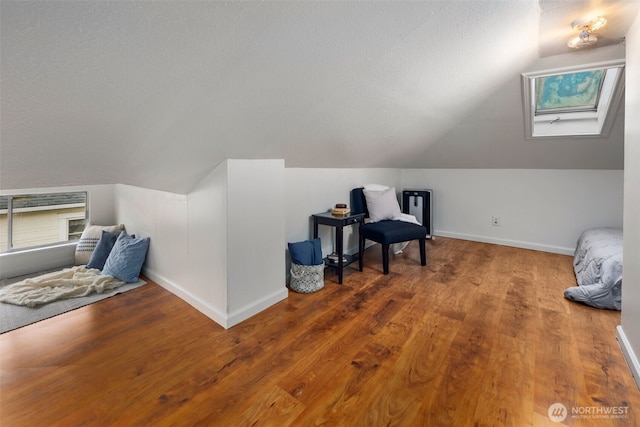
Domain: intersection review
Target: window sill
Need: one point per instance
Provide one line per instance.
(38, 249)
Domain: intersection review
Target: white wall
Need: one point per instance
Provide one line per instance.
(255, 245)
(162, 217)
(629, 330)
(538, 209)
(100, 205)
(206, 287)
(188, 239)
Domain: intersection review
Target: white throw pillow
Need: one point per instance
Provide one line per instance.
(375, 187)
(382, 204)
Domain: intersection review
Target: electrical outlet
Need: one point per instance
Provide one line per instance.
(495, 221)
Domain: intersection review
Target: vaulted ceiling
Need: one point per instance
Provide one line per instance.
(156, 94)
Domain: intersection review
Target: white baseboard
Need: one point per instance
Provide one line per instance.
(256, 307)
(507, 242)
(203, 307)
(629, 355)
(223, 319)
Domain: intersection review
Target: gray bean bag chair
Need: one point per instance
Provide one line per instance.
(598, 267)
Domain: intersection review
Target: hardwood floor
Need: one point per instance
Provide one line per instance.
(481, 336)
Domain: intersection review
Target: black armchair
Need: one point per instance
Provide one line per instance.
(386, 232)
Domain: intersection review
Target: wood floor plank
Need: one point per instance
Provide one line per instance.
(376, 353)
(461, 378)
(480, 336)
(398, 396)
(519, 315)
(511, 367)
(340, 323)
(276, 408)
(559, 372)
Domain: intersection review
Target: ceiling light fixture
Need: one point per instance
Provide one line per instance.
(586, 26)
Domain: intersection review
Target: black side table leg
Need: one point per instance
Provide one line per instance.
(339, 237)
(360, 250)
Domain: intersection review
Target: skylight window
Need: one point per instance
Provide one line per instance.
(572, 102)
(568, 92)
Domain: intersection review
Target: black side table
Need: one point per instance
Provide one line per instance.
(339, 222)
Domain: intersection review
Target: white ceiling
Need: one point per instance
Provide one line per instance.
(156, 94)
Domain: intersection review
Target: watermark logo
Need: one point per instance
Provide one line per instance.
(557, 412)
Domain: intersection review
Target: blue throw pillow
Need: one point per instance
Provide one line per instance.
(126, 258)
(102, 250)
(317, 251)
(308, 252)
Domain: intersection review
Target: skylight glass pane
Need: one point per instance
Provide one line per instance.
(568, 92)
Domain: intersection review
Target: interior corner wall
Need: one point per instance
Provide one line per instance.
(162, 217)
(174, 247)
(538, 209)
(629, 330)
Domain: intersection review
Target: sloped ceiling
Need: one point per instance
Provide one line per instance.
(156, 94)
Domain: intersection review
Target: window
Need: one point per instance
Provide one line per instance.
(566, 93)
(75, 228)
(576, 101)
(70, 226)
(31, 220)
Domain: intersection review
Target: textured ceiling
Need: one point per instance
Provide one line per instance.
(156, 94)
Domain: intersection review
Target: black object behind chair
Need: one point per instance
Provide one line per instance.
(386, 232)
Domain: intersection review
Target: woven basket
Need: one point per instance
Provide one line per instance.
(306, 278)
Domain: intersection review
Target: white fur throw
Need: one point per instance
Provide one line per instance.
(71, 282)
